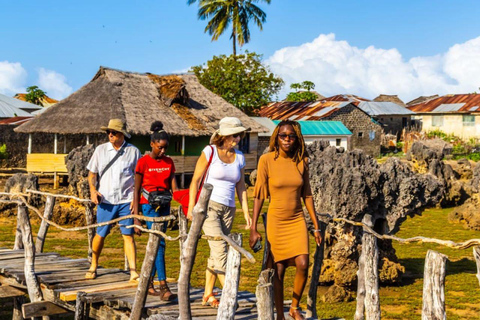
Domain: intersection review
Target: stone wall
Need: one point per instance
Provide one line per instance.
(366, 134)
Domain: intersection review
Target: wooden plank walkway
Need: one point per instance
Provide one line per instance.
(111, 295)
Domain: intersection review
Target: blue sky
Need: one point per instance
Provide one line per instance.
(61, 44)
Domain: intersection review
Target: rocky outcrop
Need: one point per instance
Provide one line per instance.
(77, 161)
(351, 185)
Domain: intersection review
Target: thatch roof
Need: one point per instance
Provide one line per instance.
(390, 98)
(183, 105)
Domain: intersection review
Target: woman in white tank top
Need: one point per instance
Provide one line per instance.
(227, 174)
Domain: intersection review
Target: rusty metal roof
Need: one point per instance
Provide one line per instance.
(315, 110)
(15, 120)
(346, 97)
(452, 103)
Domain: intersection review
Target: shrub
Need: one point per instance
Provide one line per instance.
(3, 151)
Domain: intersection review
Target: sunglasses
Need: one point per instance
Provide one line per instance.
(284, 136)
(113, 132)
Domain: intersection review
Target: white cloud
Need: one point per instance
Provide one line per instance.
(12, 78)
(54, 83)
(337, 67)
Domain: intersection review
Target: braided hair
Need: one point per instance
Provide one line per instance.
(299, 152)
(158, 133)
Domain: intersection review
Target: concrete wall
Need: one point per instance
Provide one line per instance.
(331, 139)
(394, 124)
(452, 124)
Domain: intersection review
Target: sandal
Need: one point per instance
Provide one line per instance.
(164, 290)
(90, 275)
(296, 313)
(211, 301)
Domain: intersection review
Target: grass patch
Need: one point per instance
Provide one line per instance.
(397, 302)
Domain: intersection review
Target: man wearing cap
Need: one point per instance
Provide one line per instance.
(111, 179)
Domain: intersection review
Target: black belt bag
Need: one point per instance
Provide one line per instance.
(158, 199)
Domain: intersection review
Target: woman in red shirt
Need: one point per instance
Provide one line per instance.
(156, 172)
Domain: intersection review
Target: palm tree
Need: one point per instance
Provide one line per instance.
(238, 12)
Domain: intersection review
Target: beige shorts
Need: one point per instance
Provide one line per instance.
(219, 220)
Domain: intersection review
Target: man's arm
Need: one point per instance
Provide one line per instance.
(95, 196)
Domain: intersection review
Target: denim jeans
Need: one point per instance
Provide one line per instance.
(159, 266)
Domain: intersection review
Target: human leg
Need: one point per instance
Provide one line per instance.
(278, 277)
(128, 240)
(301, 275)
(97, 246)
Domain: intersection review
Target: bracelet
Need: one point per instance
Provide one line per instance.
(316, 230)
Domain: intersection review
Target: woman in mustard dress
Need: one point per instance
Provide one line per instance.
(282, 176)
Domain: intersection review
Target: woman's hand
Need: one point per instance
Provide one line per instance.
(318, 237)
(190, 214)
(248, 220)
(254, 237)
(137, 231)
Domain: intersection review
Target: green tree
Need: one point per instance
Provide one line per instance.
(241, 80)
(220, 13)
(35, 95)
(304, 96)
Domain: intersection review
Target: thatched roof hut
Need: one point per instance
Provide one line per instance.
(184, 106)
(390, 98)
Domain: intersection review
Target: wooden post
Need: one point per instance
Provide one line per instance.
(370, 274)
(55, 144)
(42, 232)
(182, 229)
(316, 270)
(360, 310)
(29, 143)
(266, 247)
(17, 308)
(64, 143)
(18, 234)
(90, 231)
(80, 306)
(228, 302)
(33, 287)
(145, 274)
(264, 294)
(434, 286)
(476, 255)
(189, 252)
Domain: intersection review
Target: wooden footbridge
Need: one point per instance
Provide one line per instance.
(109, 296)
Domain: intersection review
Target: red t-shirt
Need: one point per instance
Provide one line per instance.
(156, 173)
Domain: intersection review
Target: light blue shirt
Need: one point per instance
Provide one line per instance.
(117, 183)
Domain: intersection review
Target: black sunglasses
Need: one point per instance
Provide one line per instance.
(113, 132)
(284, 136)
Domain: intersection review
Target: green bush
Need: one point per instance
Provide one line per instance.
(3, 151)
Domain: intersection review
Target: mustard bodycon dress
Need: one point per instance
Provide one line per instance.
(284, 182)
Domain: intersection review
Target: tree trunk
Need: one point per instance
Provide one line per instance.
(42, 232)
(264, 294)
(18, 234)
(30, 277)
(91, 231)
(182, 228)
(316, 270)
(189, 252)
(369, 246)
(476, 255)
(227, 307)
(146, 273)
(434, 286)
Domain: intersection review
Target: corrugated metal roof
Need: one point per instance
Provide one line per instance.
(267, 123)
(15, 120)
(322, 128)
(9, 109)
(301, 110)
(27, 106)
(468, 101)
(376, 108)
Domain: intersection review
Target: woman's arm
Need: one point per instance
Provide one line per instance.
(200, 169)
(242, 198)
(254, 234)
(173, 182)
